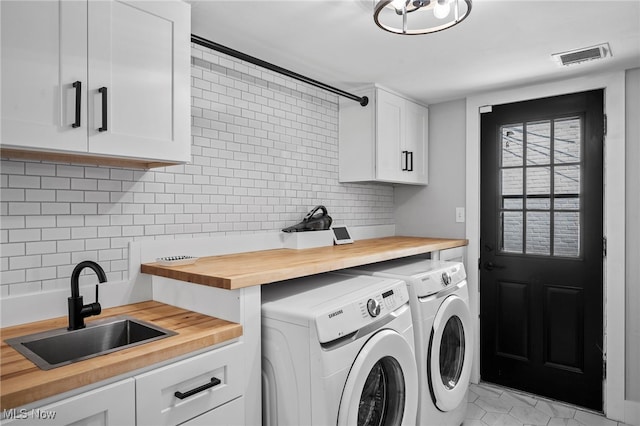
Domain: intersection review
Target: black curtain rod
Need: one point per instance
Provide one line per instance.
(243, 56)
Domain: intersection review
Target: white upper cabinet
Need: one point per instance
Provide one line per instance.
(38, 94)
(104, 79)
(386, 141)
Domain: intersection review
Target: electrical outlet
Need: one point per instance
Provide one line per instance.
(460, 214)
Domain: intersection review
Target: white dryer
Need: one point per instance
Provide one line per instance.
(338, 350)
(443, 330)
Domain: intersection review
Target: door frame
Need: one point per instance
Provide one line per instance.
(614, 215)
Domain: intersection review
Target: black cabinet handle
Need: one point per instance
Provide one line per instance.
(103, 90)
(410, 155)
(405, 154)
(182, 395)
(78, 86)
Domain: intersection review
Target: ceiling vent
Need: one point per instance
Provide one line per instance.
(586, 54)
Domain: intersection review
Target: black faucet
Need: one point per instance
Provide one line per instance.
(77, 311)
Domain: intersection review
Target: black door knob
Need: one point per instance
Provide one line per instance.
(490, 266)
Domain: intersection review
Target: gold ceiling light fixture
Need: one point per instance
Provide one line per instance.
(413, 17)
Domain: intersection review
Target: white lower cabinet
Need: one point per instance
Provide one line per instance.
(206, 389)
(229, 414)
(184, 390)
(110, 405)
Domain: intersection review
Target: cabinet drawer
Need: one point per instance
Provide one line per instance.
(196, 379)
(231, 413)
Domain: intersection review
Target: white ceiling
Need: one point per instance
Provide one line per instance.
(503, 43)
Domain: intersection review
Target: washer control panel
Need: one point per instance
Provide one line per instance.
(386, 301)
(439, 279)
(373, 307)
(367, 307)
(446, 278)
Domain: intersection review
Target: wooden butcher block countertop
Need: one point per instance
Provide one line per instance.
(23, 382)
(240, 270)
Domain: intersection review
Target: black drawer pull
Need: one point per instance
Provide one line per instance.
(410, 155)
(103, 90)
(214, 382)
(405, 155)
(78, 86)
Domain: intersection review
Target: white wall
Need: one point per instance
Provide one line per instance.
(632, 340)
(430, 210)
(265, 151)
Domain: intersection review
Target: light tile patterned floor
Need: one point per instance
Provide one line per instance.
(490, 405)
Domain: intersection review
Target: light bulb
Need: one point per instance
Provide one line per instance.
(442, 9)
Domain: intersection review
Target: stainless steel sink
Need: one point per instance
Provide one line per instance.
(55, 348)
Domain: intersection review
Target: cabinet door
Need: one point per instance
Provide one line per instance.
(416, 143)
(113, 404)
(140, 52)
(390, 133)
(43, 45)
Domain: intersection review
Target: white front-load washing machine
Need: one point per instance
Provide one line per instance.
(439, 301)
(338, 349)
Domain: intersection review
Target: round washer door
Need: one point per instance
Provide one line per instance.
(382, 386)
(450, 351)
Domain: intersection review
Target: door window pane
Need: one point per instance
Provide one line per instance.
(512, 232)
(567, 180)
(538, 187)
(567, 135)
(512, 203)
(511, 145)
(538, 233)
(569, 203)
(538, 141)
(512, 181)
(566, 235)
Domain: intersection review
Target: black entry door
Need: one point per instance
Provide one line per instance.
(542, 247)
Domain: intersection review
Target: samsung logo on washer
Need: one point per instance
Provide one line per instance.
(336, 313)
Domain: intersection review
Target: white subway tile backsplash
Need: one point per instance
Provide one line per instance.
(23, 235)
(70, 171)
(84, 232)
(55, 234)
(13, 249)
(96, 172)
(25, 287)
(25, 262)
(69, 196)
(84, 184)
(12, 194)
(55, 208)
(56, 183)
(20, 181)
(56, 259)
(69, 246)
(264, 152)
(39, 274)
(38, 247)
